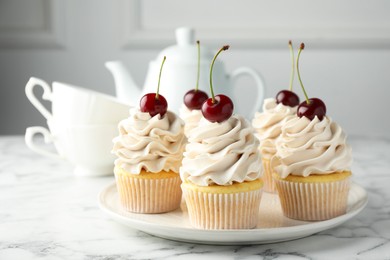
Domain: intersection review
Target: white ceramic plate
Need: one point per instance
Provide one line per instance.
(272, 225)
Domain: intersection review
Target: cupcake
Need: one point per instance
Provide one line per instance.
(312, 169)
(150, 151)
(268, 128)
(312, 163)
(221, 173)
(276, 112)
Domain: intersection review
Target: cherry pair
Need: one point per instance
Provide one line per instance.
(309, 108)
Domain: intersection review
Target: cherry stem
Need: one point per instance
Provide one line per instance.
(292, 67)
(299, 75)
(197, 77)
(159, 77)
(224, 48)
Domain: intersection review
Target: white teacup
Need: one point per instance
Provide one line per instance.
(72, 105)
(88, 147)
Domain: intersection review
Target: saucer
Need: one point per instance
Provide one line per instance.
(272, 226)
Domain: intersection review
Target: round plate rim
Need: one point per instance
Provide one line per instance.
(290, 232)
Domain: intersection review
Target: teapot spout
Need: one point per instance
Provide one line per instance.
(126, 89)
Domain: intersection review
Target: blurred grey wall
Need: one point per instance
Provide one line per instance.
(346, 62)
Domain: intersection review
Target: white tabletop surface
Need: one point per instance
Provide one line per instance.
(47, 213)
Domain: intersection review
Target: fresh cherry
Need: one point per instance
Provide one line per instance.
(149, 103)
(219, 110)
(153, 103)
(312, 107)
(288, 97)
(220, 107)
(194, 98)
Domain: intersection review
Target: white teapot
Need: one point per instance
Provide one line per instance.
(179, 76)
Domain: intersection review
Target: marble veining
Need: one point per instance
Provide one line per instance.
(47, 213)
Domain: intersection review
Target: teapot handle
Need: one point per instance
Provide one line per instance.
(47, 95)
(48, 138)
(260, 86)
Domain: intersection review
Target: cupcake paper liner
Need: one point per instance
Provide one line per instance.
(149, 195)
(269, 183)
(223, 211)
(313, 201)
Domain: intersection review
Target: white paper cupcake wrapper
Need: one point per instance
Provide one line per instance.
(223, 211)
(269, 183)
(149, 195)
(313, 201)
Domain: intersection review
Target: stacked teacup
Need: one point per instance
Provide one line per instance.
(82, 124)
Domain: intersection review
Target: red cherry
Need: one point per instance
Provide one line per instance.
(153, 105)
(194, 99)
(220, 107)
(311, 107)
(315, 107)
(287, 98)
(219, 110)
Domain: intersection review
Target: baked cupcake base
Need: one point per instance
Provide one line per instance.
(316, 197)
(148, 192)
(223, 207)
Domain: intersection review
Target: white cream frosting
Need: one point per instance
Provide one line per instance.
(191, 118)
(152, 143)
(268, 124)
(221, 153)
(311, 147)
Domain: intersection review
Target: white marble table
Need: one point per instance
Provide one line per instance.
(46, 213)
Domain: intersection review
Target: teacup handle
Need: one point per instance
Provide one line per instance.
(48, 138)
(260, 85)
(47, 95)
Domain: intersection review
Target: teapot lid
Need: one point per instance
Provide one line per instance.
(185, 52)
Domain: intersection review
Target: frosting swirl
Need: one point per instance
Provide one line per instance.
(152, 143)
(191, 118)
(221, 153)
(268, 124)
(311, 147)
